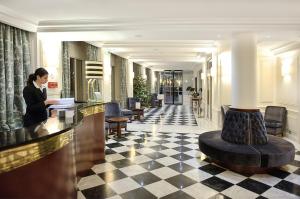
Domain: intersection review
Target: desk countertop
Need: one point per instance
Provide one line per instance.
(42, 131)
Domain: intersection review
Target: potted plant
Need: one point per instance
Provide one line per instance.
(140, 91)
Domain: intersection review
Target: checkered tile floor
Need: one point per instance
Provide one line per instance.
(171, 115)
(146, 165)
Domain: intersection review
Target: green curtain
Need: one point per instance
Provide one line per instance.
(92, 53)
(123, 82)
(66, 76)
(149, 79)
(15, 66)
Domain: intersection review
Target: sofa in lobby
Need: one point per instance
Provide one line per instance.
(244, 146)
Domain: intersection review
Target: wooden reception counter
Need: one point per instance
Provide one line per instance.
(46, 160)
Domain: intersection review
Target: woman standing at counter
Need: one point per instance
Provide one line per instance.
(36, 97)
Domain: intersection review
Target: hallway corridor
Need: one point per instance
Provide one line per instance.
(171, 115)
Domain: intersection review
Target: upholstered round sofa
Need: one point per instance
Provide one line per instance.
(243, 144)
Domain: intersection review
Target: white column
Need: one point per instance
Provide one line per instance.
(153, 81)
(106, 76)
(143, 72)
(298, 101)
(130, 76)
(244, 58)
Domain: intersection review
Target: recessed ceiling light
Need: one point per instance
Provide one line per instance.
(138, 36)
(267, 36)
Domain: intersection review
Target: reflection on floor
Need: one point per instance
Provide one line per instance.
(152, 163)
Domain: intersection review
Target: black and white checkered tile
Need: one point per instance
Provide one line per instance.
(171, 115)
(169, 165)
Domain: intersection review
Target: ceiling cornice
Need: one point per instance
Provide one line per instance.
(161, 44)
(12, 18)
(224, 24)
(291, 46)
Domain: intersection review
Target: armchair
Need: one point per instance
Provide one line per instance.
(131, 103)
(224, 109)
(275, 119)
(155, 102)
(112, 109)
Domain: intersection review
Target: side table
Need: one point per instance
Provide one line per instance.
(118, 121)
(138, 112)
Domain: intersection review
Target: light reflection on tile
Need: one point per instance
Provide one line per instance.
(239, 192)
(164, 172)
(100, 168)
(114, 157)
(158, 191)
(90, 181)
(133, 170)
(124, 185)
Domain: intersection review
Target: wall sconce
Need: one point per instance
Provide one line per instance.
(286, 69)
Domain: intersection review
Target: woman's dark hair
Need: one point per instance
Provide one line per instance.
(38, 72)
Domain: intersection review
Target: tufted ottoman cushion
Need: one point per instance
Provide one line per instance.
(244, 127)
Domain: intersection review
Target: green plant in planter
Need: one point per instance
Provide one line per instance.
(140, 90)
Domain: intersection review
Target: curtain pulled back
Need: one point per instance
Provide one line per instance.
(66, 76)
(92, 53)
(123, 82)
(15, 66)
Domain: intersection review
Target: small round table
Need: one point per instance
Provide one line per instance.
(138, 112)
(198, 101)
(118, 120)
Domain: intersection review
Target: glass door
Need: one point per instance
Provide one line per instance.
(172, 86)
(168, 86)
(177, 88)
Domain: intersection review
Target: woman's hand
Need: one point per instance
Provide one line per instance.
(50, 102)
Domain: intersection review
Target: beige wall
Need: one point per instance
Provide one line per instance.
(78, 50)
(106, 75)
(273, 87)
(287, 88)
(116, 63)
(49, 55)
(266, 80)
(130, 76)
(278, 89)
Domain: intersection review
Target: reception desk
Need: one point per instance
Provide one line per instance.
(47, 159)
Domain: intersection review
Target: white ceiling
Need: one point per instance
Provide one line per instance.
(157, 33)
